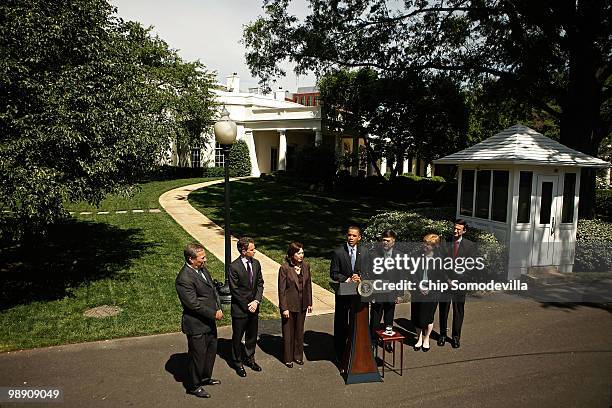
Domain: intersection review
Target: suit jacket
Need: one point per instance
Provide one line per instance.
(240, 288)
(290, 297)
(466, 249)
(392, 274)
(199, 299)
(340, 269)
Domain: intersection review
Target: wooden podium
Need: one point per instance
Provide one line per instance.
(357, 361)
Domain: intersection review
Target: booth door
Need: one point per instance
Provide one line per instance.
(545, 221)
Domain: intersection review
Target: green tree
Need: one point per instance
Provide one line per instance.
(84, 111)
(551, 55)
(397, 116)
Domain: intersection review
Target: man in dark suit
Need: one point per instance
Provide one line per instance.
(246, 287)
(201, 309)
(348, 262)
(383, 305)
(458, 247)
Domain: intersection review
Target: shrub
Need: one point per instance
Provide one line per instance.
(316, 164)
(214, 172)
(593, 246)
(603, 204)
(240, 160)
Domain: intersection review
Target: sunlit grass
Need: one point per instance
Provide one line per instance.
(126, 260)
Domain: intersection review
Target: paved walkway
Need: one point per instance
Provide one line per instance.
(175, 202)
(514, 353)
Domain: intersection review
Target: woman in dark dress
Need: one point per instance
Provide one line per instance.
(423, 300)
(294, 301)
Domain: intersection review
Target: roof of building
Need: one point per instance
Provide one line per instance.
(520, 144)
(307, 89)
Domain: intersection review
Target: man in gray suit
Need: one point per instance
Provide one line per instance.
(201, 310)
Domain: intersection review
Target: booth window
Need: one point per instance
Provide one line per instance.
(546, 202)
(483, 190)
(467, 193)
(524, 200)
(499, 204)
(569, 189)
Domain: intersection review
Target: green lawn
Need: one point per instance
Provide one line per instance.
(127, 260)
(275, 214)
(144, 196)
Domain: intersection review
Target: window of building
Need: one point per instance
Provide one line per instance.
(569, 189)
(219, 158)
(483, 190)
(499, 203)
(195, 158)
(524, 200)
(273, 159)
(467, 193)
(310, 101)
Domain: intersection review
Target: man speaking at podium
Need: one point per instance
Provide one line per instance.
(347, 264)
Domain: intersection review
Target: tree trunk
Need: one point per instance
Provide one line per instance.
(581, 124)
(371, 156)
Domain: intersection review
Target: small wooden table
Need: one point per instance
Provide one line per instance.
(393, 339)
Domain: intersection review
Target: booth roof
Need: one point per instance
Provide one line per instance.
(520, 144)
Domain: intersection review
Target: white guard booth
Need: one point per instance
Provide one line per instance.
(523, 187)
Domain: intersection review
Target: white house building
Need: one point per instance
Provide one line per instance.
(523, 187)
(272, 127)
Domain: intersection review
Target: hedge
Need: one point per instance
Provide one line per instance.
(593, 246)
(603, 204)
(405, 188)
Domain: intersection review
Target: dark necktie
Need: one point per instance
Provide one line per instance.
(250, 270)
(455, 248)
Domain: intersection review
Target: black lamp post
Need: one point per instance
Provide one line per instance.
(225, 134)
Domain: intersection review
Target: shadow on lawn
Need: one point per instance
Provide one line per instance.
(276, 214)
(72, 254)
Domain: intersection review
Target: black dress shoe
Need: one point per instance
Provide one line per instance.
(199, 392)
(425, 349)
(416, 348)
(212, 381)
(441, 340)
(456, 343)
(253, 366)
(299, 362)
(241, 371)
(289, 365)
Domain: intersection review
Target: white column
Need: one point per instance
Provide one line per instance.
(250, 141)
(383, 166)
(318, 138)
(405, 168)
(282, 149)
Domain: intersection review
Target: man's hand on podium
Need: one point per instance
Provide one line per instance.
(356, 278)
